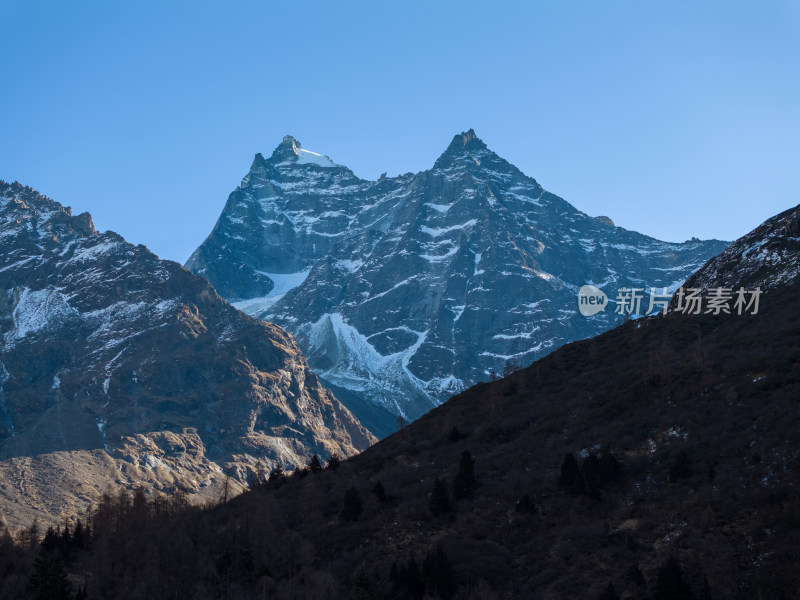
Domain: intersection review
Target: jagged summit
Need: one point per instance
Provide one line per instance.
(287, 150)
(465, 148)
(291, 151)
(468, 140)
(284, 159)
(21, 203)
(405, 290)
(259, 163)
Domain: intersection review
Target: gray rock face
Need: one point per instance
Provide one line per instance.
(104, 344)
(404, 291)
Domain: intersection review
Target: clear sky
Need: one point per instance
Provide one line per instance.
(676, 119)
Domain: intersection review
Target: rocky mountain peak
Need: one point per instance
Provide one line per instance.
(287, 150)
(606, 220)
(405, 290)
(259, 164)
(465, 146)
(21, 204)
(469, 136)
(291, 152)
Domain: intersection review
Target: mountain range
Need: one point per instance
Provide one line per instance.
(406, 290)
(657, 460)
(118, 368)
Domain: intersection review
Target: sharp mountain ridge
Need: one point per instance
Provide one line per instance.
(406, 290)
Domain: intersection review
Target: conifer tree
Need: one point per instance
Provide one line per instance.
(569, 470)
(465, 478)
(276, 476)
(634, 575)
(314, 465)
(437, 575)
(407, 580)
(411, 581)
(49, 580)
(670, 582)
(590, 469)
(333, 462)
(526, 505)
(610, 593)
(379, 492)
(454, 435)
(608, 467)
(365, 587)
(52, 540)
(439, 501)
(679, 467)
(706, 594)
(352, 505)
(578, 484)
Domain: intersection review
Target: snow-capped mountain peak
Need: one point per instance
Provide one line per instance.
(466, 148)
(290, 151)
(410, 288)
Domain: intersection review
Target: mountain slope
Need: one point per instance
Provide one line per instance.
(767, 256)
(683, 430)
(139, 367)
(404, 291)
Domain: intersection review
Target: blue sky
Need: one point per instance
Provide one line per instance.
(676, 119)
